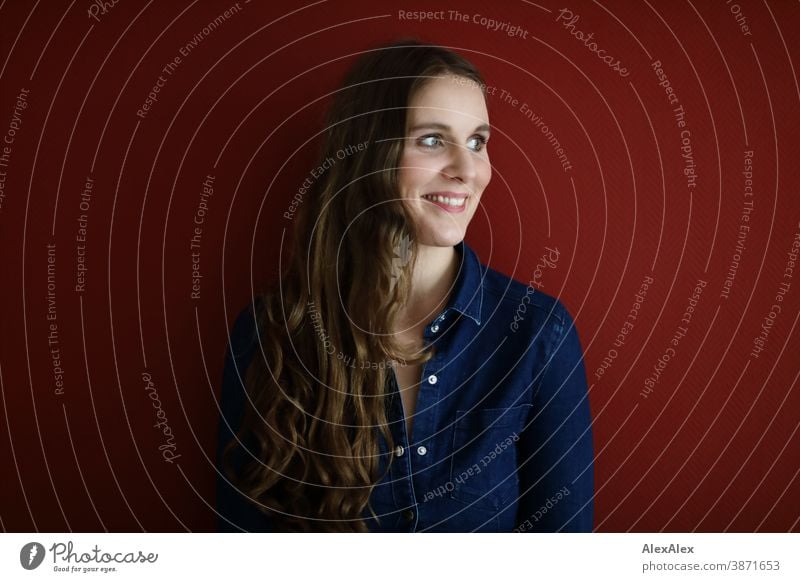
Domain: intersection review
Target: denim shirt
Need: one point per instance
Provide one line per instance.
(502, 436)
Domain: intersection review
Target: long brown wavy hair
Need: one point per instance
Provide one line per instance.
(317, 388)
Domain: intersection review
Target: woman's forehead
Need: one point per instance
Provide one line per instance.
(444, 98)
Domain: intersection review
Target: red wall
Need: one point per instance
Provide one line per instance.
(712, 447)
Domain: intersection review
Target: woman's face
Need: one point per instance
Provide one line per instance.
(444, 166)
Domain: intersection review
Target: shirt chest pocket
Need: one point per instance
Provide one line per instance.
(483, 468)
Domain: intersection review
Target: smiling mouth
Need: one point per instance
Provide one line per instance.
(452, 201)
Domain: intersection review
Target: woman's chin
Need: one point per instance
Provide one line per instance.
(442, 237)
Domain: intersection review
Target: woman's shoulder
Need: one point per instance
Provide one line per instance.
(240, 348)
(244, 329)
(522, 298)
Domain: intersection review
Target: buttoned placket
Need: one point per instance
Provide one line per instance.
(402, 484)
(415, 459)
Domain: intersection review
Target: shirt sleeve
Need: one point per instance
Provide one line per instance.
(556, 450)
(235, 512)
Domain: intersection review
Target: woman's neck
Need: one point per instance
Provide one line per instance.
(432, 283)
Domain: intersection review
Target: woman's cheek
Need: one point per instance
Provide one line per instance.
(416, 171)
(486, 173)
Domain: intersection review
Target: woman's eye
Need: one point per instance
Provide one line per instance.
(431, 141)
(477, 143)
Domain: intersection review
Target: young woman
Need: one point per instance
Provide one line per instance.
(390, 381)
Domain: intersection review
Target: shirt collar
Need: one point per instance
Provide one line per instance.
(467, 297)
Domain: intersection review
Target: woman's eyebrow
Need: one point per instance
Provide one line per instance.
(445, 127)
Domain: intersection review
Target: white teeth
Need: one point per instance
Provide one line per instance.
(457, 202)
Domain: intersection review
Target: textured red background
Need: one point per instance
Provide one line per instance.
(713, 447)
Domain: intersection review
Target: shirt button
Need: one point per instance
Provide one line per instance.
(432, 379)
(398, 451)
(421, 450)
(408, 515)
(435, 328)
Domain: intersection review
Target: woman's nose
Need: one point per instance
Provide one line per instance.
(461, 164)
